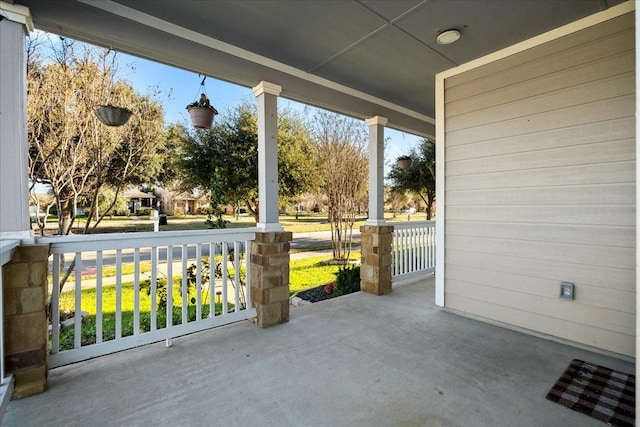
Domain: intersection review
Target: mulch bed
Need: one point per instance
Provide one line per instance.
(316, 294)
(599, 392)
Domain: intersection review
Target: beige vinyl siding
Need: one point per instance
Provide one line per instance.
(540, 187)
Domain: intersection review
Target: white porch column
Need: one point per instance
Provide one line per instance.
(267, 95)
(376, 170)
(15, 22)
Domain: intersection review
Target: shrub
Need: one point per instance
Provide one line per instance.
(347, 280)
(205, 210)
(143, 212)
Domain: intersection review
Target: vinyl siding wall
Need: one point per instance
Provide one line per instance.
(540, 187)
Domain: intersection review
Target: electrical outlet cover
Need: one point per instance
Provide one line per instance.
(566, 290)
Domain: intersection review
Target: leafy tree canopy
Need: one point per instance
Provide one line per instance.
(224, 158)
(417, 178)
(69, 148)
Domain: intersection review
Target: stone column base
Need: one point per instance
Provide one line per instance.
(375, 269)
(25, 286)
(269, 275)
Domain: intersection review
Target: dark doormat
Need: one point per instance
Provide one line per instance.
(596, 391)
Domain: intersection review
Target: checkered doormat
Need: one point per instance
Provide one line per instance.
(596, 391)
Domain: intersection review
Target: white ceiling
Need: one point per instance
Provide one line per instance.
(358, 57)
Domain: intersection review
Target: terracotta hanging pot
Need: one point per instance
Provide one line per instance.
(202, 117)
(113, 116)
(403, 162)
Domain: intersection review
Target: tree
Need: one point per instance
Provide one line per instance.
(343, 160)
(418, 178)
(69, 149)
(224, 159)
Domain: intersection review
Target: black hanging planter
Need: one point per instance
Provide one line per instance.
(113, 116)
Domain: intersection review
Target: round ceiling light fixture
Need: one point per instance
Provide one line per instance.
(448, 36)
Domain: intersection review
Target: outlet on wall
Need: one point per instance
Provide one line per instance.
(566, 290)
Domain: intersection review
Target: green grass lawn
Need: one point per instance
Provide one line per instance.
(310, 272)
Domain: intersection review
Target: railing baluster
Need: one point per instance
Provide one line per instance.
(247, 277)
(55, 305)
(423, 249)
(412, 245)
(169, 287)
(136, 291)
(118, 293)
(198, 281)
(236, 275)
(154, 288)
(185, 293)
(212, 280)
(224, 277)
(405, 251)
(98, 297)
(77, 315)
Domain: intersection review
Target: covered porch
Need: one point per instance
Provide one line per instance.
(357, 360)
(397, 359)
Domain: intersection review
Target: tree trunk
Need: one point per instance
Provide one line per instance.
(65, 216)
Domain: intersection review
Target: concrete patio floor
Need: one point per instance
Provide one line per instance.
(357, 360)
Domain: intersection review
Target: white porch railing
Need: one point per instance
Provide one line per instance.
(414, 249)
(7, 248)
(158, 283)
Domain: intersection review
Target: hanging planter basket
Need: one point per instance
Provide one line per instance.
(201, 117)
(403, 162)
(113, 116)
(201, 111)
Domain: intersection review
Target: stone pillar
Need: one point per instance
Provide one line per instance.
(267, 97)
(15, 21)
(24, 280)
(375, 270)
(269, 276)
(376, 170)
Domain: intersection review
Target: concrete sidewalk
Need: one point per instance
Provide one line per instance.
(357, 360)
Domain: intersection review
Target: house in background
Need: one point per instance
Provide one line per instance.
(181, 203)
(137, 200)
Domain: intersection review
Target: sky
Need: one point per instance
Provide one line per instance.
(179, 88)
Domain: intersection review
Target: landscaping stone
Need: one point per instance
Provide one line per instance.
(67, 323)
(296, 301)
